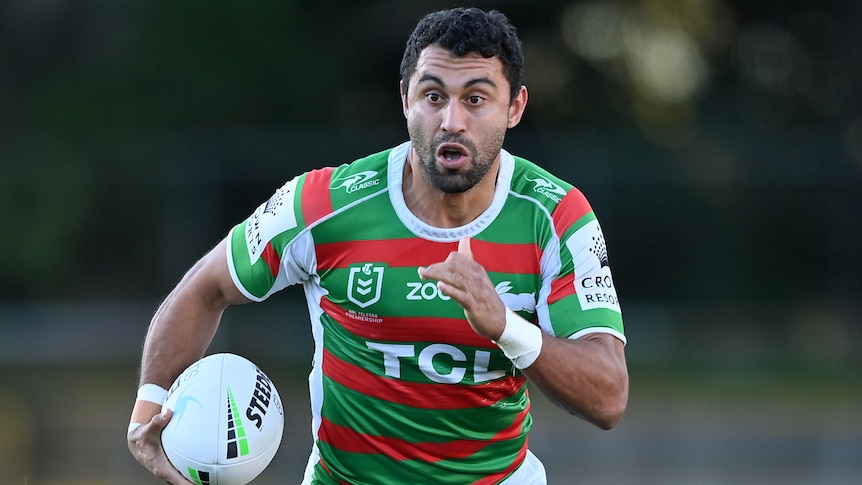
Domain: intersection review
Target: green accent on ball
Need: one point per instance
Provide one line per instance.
(195, 478)
(238, 426)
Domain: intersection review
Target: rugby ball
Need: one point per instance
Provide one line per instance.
(227, 423)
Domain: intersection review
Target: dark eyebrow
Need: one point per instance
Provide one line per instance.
(436, 80)
(480, 80)
(430, 77)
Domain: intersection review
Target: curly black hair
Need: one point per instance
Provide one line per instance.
(464, 31)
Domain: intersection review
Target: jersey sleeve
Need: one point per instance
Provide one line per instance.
(271, 250)
(583, 298)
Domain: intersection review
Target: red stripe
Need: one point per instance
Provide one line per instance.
(453, 331)
(316, 201)
(504, 258)
(349, 440)
(270, 256)
(396, 252)
(561, 288)
(507, 258)
(573, 206)
(418, 395)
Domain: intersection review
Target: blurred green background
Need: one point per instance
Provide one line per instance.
(719, 141)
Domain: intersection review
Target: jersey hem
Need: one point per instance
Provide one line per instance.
(608, 330)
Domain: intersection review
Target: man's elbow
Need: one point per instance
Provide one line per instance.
(610, 416)
(608, 413)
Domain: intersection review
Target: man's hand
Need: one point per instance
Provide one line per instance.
(467, 282)
(145, 443)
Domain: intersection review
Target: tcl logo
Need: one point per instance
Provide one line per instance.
(473, 366)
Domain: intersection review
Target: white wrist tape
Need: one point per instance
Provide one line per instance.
(152, 393)
(521, 341)
(132, 427)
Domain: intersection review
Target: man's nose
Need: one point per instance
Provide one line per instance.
(454, 118)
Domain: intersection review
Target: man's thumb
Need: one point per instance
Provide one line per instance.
(464, 247)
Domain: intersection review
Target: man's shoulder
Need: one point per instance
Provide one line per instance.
(360, 177)
(379, 159)
(349, 178)
(363, 173)
(327, 190)
(533, 181)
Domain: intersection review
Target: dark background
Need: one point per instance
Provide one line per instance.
(719, 141)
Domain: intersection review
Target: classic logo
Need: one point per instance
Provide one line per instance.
(365, 283)
(516, 302)
(359, 181)
(547, 188)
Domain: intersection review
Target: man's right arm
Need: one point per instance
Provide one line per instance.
(179, 334)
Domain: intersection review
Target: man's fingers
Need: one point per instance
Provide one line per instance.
(145, 443)
(464, 247)
(439, 270)
(162, 419)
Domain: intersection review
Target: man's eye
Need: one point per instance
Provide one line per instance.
(433, 97)
(475, 99)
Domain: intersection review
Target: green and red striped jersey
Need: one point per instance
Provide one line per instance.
(402, 388)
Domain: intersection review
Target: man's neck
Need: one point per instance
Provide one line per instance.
(445, 210)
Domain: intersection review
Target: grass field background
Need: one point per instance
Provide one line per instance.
(66, 426)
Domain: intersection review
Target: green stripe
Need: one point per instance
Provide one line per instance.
(518, 213)
(364, 222)
(493, 458)
(567, 317)
(367, 414)
(399, 282)
(404, 294)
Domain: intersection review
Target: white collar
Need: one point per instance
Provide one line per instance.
(397, 160)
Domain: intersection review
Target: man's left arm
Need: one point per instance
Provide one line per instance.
(586, 376)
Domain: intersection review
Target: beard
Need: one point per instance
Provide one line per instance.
(456, 181)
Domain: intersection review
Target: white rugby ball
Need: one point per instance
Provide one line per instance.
(227, 423)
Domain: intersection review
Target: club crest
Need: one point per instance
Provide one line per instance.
(365, 283)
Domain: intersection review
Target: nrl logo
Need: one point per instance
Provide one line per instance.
(365, 283)
(359, 181)
(547, 188)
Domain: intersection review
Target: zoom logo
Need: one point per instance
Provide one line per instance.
(425, 290)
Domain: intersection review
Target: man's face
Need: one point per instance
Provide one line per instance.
(458, 110)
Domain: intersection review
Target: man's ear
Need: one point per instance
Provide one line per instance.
(516, 108)
(404, 106)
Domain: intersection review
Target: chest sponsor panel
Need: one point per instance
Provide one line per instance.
(374, 291)
(380, 290)
(450, 352)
